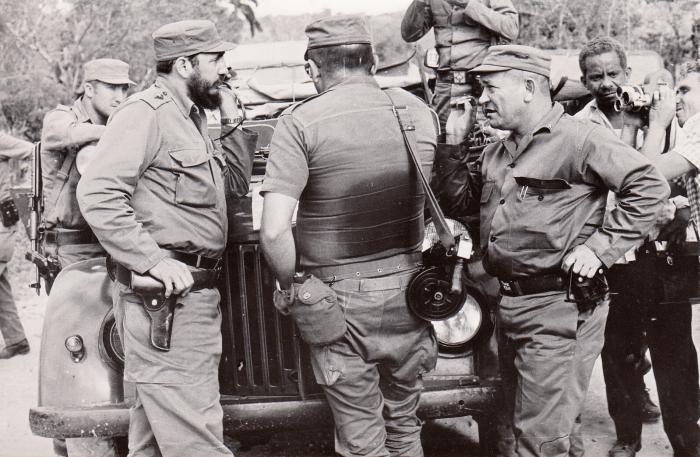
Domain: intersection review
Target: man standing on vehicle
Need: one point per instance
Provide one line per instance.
(464, 30)
(156, 200)
(542, 193)
(650, 288)
(68, 138)
(10, 326)
(359, 228)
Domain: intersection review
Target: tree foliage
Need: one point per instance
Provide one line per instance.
(44, 43)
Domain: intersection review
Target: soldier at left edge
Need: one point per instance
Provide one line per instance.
(68, 140)
(10, 325)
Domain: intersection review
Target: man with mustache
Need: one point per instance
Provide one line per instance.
(156, 200)
(68, 138)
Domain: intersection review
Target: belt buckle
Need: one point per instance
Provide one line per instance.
(511, 287)
(459, 77)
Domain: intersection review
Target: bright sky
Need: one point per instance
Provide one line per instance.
(266, 7)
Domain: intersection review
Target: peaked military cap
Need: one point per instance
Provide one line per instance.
(186, 38)
(515, 57)
(110, 71)
(337, 30)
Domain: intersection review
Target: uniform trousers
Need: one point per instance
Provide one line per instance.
(177, 411)
(547, 349)
(10, 325)
(650, 297)
(443, 93)
(372, 377)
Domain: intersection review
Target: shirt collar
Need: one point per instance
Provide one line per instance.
(361, 79)
(596, 112)
(184, 104)
(81, 113)
(546, 124)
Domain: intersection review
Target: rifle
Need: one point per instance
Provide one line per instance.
(46, 267)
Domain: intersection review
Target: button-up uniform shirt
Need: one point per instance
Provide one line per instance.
(64, 131)
(464, 29)
(546, 195)
(159, 181)
(10, 148)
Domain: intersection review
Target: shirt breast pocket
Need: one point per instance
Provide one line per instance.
(194, 179)
(541, 203)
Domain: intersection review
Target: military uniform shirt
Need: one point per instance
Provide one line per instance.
(464, 30)
(543, 198)
(64, 131)
(159, 181)
(342, 155)
(10, 148)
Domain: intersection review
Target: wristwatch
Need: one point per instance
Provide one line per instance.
(231, 120)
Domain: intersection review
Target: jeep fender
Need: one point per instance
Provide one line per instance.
(80, 299)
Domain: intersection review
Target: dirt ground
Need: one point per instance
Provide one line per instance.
(444, 438)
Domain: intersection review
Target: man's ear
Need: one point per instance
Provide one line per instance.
(183, 67)
(530, 89)
(628, 73)
(88, 90)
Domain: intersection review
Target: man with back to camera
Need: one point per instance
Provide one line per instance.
(464, 30)
(649, 288)
(156, 200)
(542, 197)
(359, 229)
(68, 137)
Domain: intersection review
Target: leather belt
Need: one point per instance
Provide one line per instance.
(194, 260)
(62, 237)
(687, 248)
(203, 278)
(532, 285)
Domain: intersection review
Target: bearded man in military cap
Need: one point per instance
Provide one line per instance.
(68, 137)
(359, 230)
(542, 193)
(156, 200)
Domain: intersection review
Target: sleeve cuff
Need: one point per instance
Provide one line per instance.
(601, 248)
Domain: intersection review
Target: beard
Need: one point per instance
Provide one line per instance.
(202, 92)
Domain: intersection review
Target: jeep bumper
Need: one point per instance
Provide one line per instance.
(269, 416)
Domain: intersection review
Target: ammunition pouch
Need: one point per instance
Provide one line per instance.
(9, 213)
(160, 310)
(316, 311)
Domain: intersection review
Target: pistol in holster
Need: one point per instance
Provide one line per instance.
(161, 313)
(587, 292)
(160, 310)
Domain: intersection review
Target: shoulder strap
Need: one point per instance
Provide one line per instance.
(61, 179)
(408, 131)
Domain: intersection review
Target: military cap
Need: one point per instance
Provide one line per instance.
(110, 71)
(186, 38)
(337, 30)
(515, 57)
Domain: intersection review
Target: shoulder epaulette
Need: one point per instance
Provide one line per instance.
(291, 109)
(154, 96)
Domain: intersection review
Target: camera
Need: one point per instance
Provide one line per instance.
(633, 98)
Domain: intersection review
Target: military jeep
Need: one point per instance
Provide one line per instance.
(266, 381)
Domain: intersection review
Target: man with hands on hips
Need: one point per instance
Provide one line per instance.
(542, 199)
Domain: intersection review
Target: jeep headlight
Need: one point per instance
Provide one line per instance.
(457, 331)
